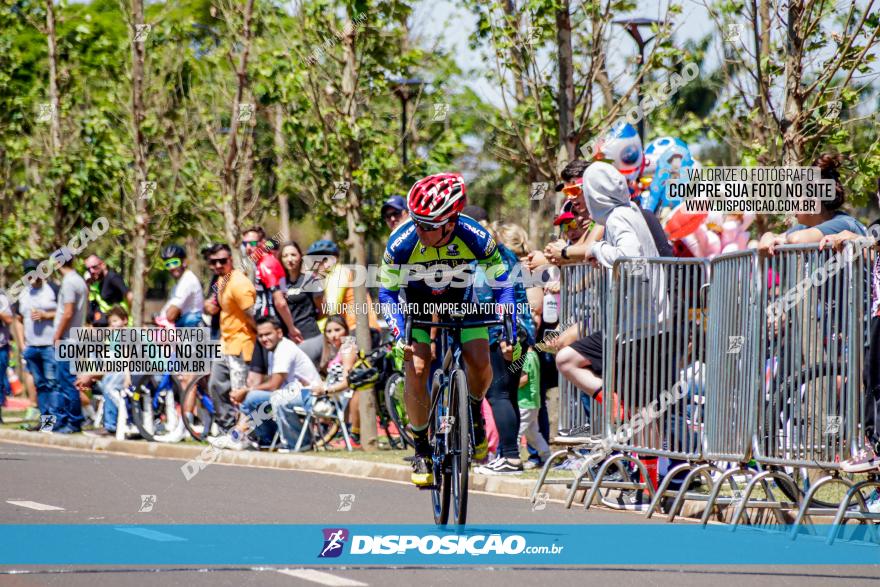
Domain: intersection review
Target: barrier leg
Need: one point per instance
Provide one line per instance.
(664, 485)
(854, 490)
(597, 483)
(740, 509)
(804, 509)
(582, 472)
(545, 471)
(680, 496)
(716, 489)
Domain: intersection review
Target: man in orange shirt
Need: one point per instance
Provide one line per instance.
(233, 296)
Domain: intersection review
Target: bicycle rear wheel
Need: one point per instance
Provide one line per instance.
(459, 437)
(197, 408)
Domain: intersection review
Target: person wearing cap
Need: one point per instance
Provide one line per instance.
(323, 256)
(394, 212)
(35, 323)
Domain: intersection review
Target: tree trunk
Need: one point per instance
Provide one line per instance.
(59, 210)
(367, 407)
(55, 139)
(283, 202)
(792, 125)
(565, 94)
(229, 187)
(141, 215)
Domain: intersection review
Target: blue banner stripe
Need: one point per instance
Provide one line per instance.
(583, 544)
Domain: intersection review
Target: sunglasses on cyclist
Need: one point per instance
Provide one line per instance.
(251, 243)
(428, 226)
(221, 261)
(173, 263)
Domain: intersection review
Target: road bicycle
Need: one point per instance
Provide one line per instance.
(450, 429)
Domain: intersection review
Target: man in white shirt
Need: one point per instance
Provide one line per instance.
(292, 377)
(184, 307)
(35, 313)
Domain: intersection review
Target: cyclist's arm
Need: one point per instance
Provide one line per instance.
(502, 286)
(389, 294)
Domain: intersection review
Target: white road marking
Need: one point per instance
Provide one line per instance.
(33, 505)
(152, 534)
(321, 577)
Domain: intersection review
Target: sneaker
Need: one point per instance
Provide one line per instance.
(530, 465)
(501, 466)
(232, 441)
(863, 461)
(631, 500)
(422, 471)
(873, 502)
(481, 451)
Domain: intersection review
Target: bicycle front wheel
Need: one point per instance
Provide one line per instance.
(441, 493)
(459, 437)
(394, 405)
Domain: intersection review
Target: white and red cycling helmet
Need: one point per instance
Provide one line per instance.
(437, 198)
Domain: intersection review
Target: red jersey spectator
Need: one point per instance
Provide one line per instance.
(270, 281)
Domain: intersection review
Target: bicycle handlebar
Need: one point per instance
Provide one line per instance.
(506, 322)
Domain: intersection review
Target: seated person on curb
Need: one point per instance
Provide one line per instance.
(292, 377)
(337, 359)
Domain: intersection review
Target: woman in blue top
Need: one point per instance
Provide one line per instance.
(812, 228)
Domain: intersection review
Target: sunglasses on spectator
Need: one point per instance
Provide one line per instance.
(393, 214)
(574, 191)
(173, 263)
(251, 243)
(221, 261)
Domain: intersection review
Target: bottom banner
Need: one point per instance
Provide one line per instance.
(550, 545)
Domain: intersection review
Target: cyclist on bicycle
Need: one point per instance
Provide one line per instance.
(435, 240)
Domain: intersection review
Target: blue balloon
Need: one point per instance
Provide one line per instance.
(669, 166)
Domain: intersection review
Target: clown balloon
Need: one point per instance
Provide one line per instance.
(622, 147)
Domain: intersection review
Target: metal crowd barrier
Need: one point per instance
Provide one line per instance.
(730, 390)
(773, 364)
(583, 298)
(654, 365)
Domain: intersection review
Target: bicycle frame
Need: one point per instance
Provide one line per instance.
(452, 445)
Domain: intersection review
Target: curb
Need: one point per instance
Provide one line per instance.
(521, 488)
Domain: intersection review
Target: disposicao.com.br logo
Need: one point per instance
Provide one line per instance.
(452, 544)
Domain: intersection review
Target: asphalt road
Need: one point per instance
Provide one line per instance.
(106, 489)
